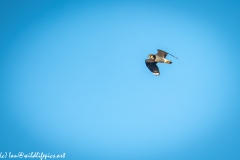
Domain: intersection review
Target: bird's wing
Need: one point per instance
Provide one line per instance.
(162, 53)
(152, 66)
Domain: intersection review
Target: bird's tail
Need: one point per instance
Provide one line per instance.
(168, 62)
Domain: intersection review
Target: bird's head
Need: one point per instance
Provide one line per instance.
(151, 56)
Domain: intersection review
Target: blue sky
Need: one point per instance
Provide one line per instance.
(74, 80)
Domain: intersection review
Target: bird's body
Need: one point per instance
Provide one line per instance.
(160, 57)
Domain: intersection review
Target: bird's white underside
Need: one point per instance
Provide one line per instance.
(165, 60)
(156, 74)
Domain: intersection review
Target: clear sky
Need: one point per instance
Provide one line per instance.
(74, 79)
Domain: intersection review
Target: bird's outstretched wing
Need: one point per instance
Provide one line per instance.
(162, 53)
(152, 66)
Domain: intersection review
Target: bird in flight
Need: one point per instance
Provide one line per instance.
(155, 58)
